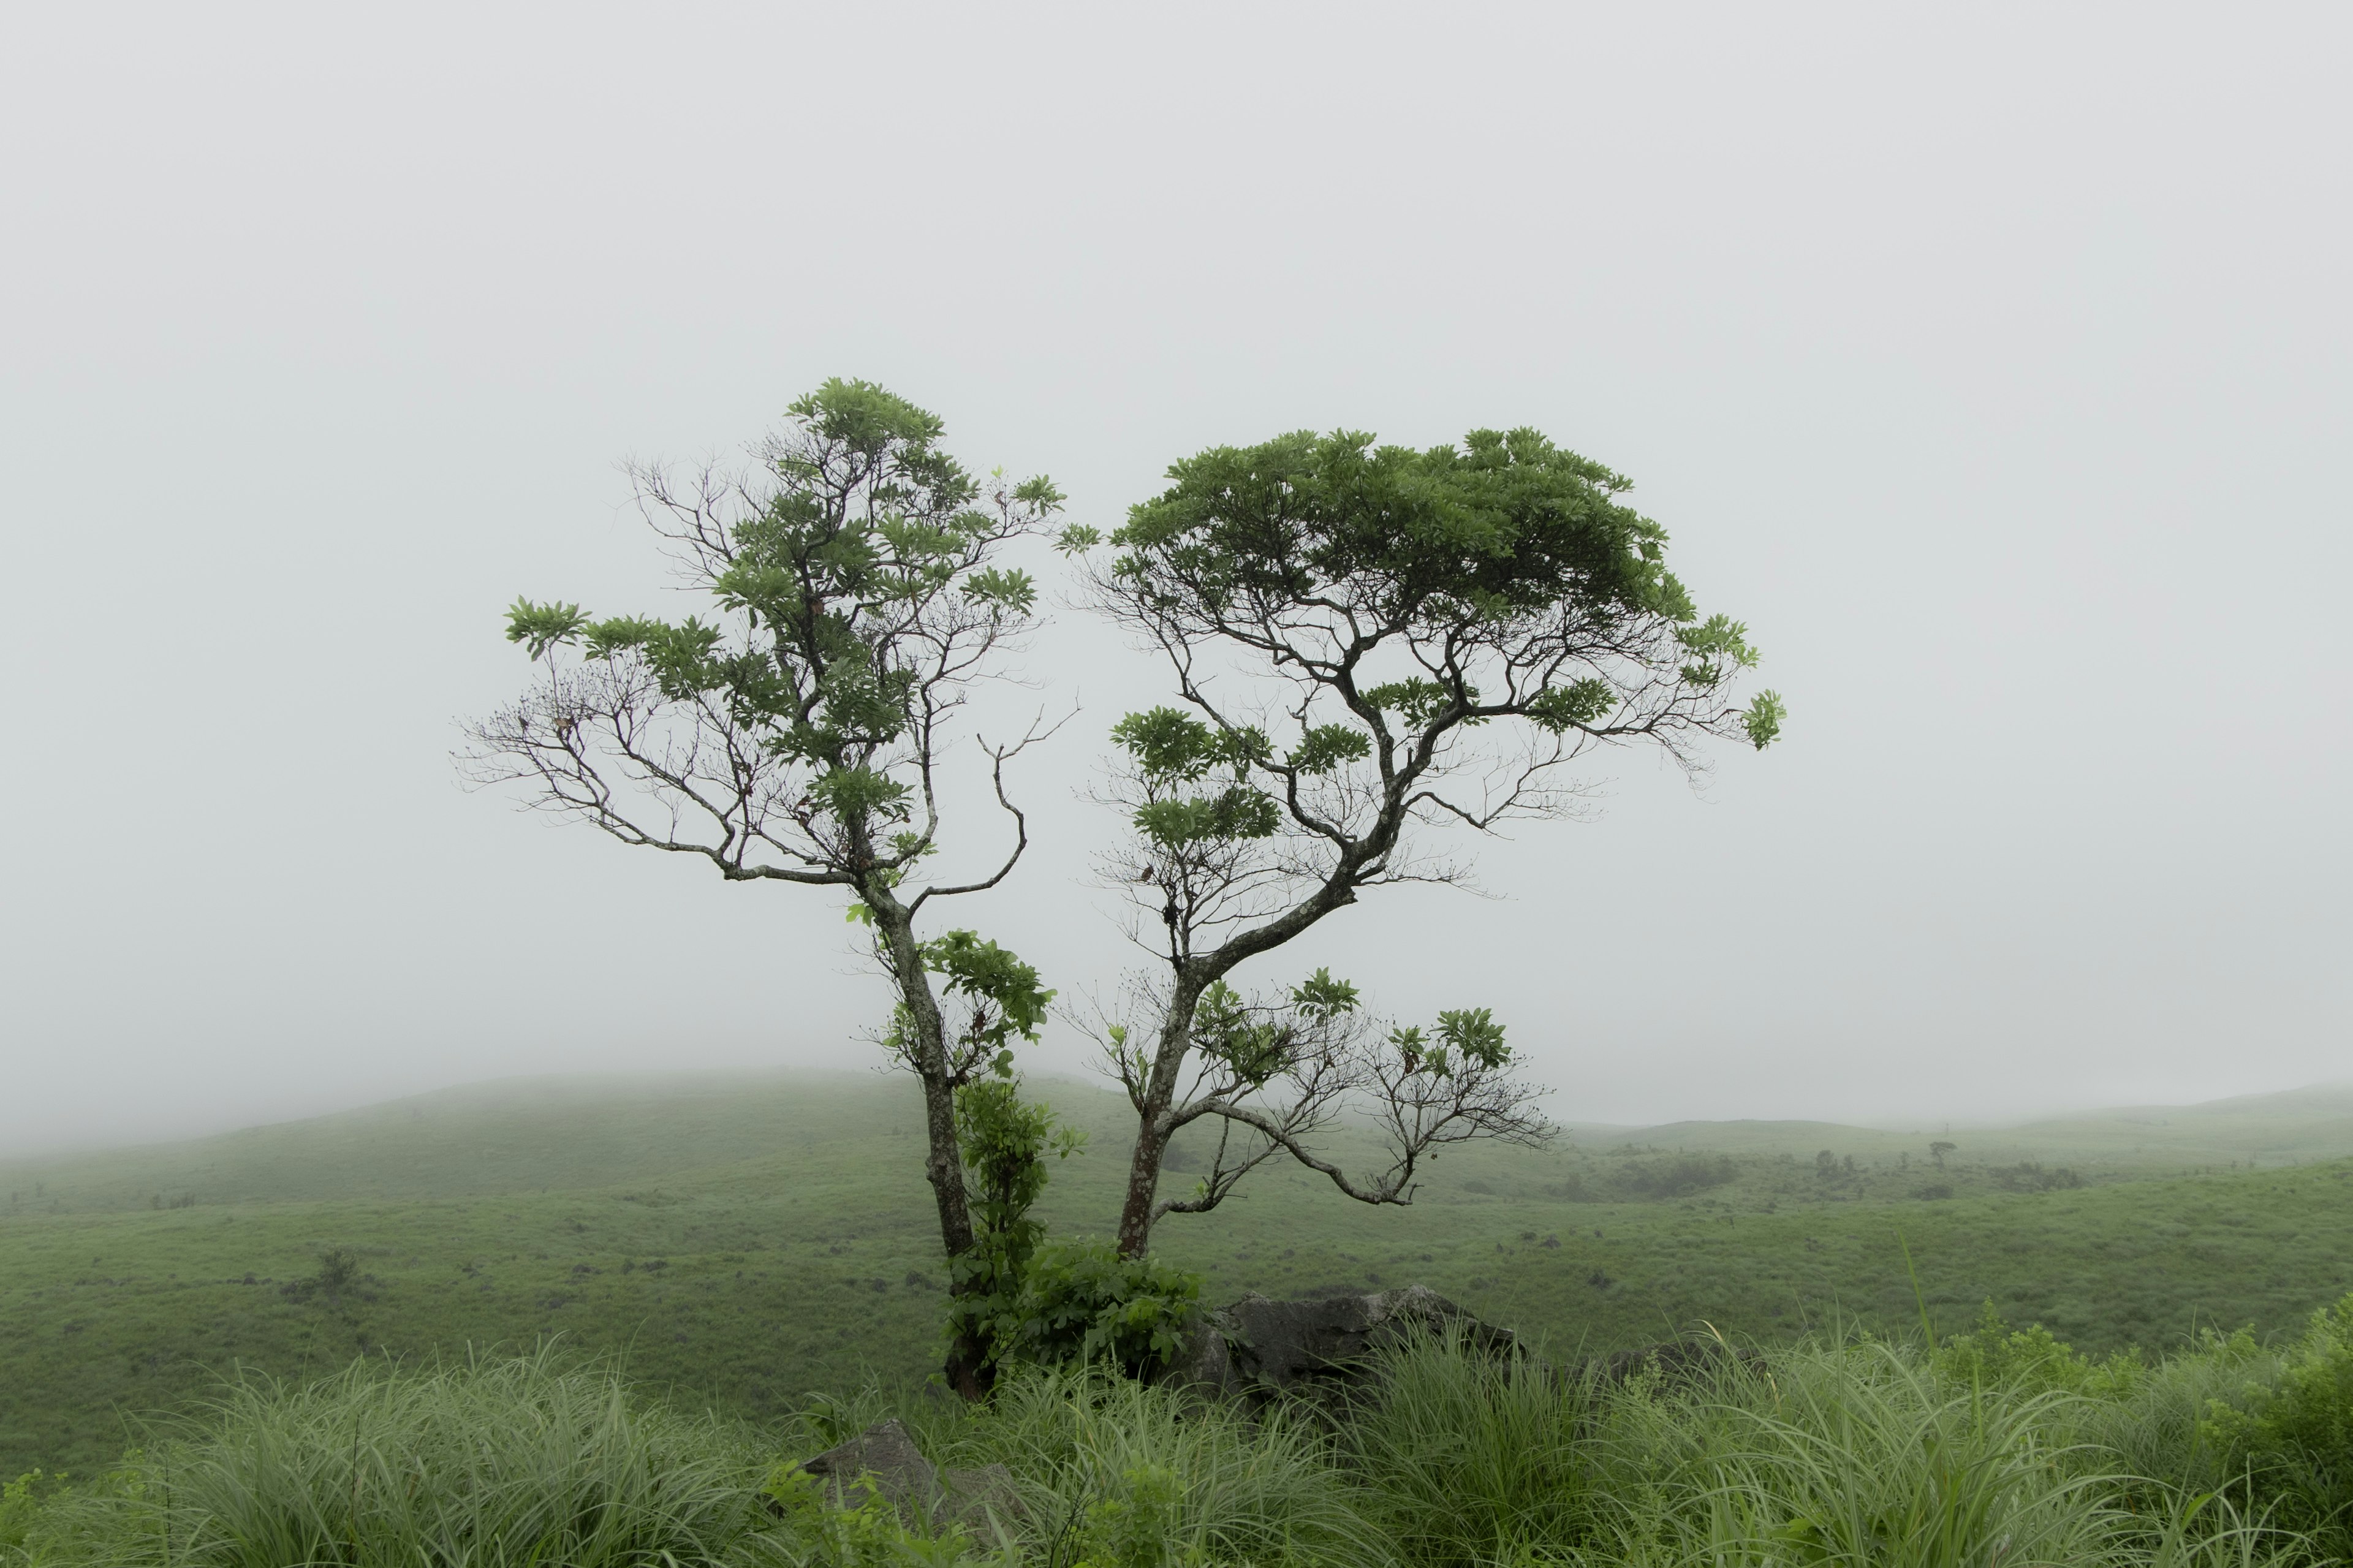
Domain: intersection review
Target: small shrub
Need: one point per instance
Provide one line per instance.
(1080, 1302)
(2293, 1439)
(20, 1505)
(1025, 1298)
(1994, 1354)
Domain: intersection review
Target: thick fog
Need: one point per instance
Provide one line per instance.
(1992, 366)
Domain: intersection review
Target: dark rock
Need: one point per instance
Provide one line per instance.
(1679, 1364)
(1258, 1348)
(884, 1459)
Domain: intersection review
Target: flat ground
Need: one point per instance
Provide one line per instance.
(748, 1239)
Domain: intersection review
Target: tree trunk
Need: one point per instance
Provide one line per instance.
(966, 1369)
(1150, 1121)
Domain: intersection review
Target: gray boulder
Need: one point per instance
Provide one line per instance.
(884, 1459)
(1259, 1348)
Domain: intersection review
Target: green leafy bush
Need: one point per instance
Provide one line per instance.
(1994, 1354)
(1080, 1301)
(1031, 1300)
(2292, 1439)
(20, 1505)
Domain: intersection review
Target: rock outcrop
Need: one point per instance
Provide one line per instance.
(1677, 1362)
(1259, 1347)
(884, 1459)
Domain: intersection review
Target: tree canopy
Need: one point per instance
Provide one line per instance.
(1365, 639)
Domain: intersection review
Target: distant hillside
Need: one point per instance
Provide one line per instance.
(749, 1237)
(2303, 1124)
(556, 1133)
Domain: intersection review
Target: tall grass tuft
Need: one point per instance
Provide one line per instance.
(1853, 1455)
(1125, 1476)
(1473, 1458)
(489, 1464)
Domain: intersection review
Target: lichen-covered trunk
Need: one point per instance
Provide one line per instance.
(966, 1369)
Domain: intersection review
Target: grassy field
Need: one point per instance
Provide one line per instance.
(744, 1240)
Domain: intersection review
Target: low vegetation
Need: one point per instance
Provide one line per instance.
(1993, 1447)
(743, 1242)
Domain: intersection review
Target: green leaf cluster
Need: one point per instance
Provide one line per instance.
(1170, 750)
(1504, 543)
(1079, 1302)
(1467, 1038)
(1505, 524)
(1008, 999)
(1004, 1142)
(866, 546)
(1992, 1354)
(1225, 1028)
(1141, 1525)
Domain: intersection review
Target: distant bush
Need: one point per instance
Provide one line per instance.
(2029, 1176)
(1677, 1178)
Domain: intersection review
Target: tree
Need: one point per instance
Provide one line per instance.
(1367, 642)
(797, 735)
(1938, 1150)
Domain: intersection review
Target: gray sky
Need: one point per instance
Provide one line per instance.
(1993, 366)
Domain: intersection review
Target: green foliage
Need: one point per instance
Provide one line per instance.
(1005, 1140)
(1006, 998)
(1226, 1029)
(860, 573)
(1418, 701)
(1140, 1526)
(1993, 1354)
(1032, 1300)
(1320, 998)
(1475, 1458)
(1079, 1302)
(1324, 747)
(492, 1462)
(826, 1531)
(542, 626)
(2292, 1437)
(1171, 749)
(20, 1509)
(1502, 538)
(1115, 1472)
(1558, 709)
(1764, 718)
(1836, 1452)
(1234, 815)
(1472, 1034)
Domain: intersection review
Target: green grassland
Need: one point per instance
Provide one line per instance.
(745, 1239)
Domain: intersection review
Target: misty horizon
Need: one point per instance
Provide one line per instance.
(1993, 370)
